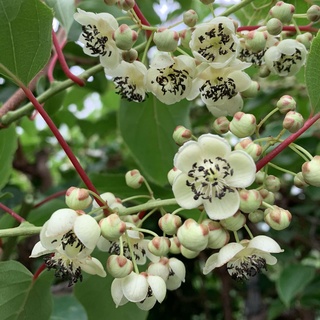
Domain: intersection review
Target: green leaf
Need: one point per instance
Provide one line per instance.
(20, 295)
(312, 74)
(8, 146)
(147, 130)
(67, 307)
(25, 33)
(292, 281)
(63, 11)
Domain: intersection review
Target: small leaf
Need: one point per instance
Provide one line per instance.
(25, 33)
(8, 146)
(292, 281)
(312, 74)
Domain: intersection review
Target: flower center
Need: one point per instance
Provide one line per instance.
(172, 80)
(208, 179)
(285, 62)
(246, 267)
(96, 42)
(256, 58)
(71, 243)
(126, 89)
(219, 89)
(215, 42)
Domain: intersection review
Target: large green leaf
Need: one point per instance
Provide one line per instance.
(8, 145)
(67, 307)
(312, 74)
(20, 295)
(293, 280)
(25, 33)
(147, 130)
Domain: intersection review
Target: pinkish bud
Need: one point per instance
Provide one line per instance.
(218, 236)
(221, 125)
(159, 246)
(311, 171)
(78, 198)
(234, 223)
(181, 135)
(134, 179)
(250, 200)
(169, 223)
(277, 218)
(282, 11)
(190, 18)
(112, 227)
(243, 124)
(119, 266)
(166, 39)
(293, 121)
(274, 26)
(125, 37)
(286, 103)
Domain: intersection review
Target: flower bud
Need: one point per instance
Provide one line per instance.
(251, 148)
(243, 124)
(169, 223)
(272, 183)
(126, 4)
(264, 71)
(181, 135)
(282, 11)
(130, 55)
(293, 121)
(124, 37)
(78, 198)
(252, 91)
(267, 196)
(193, 236)
(110, 2)
(160, 268)
(256, 216)
(305, 39)
(250, 200)
(234, 223)
(134, 179)
(256, 40)
(221, 125)
(286, 103)
(190, 18)
(175, 247)
(172, 174)
(218, 236)
(112, 227)
(277, 218)
(166, 39)
(299, 181)
(189, 254)
(313, 13)
(311, 171)
(274, 26)
(260, 177)
(119, 266)
(185, 37)
(159, 246)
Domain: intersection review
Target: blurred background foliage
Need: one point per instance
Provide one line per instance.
(110, 137)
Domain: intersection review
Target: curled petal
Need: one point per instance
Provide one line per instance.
(93, 266)
(158, 287)
(135, 287)
(264, 243)
(116, 292)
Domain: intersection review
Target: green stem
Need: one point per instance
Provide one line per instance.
(236, 7)
(133, 257)
(20, 231)
(236, 236)
(249, 231)
(281, 169)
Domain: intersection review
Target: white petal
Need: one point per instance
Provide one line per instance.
(161, 60)
(178, 268)
(244, 169)
(104, 244)
(135, 287)
(173, 283)
(116, 292)
(223, 208)
(52, 242)
(183, 193)
(87, 230)
(38, 250)
(147, 304)
(93, 266)
(264, 243)
(271, 260)
(158, 287)
(84, 17)
(241, 80)
(213, 146)
(187, 155)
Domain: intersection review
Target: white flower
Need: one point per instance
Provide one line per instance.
(71, 237)
(170, 78)
(143, 289)
(210, 175)
(130, 80)
(244, 259)
(219, 88)
(96, 36)
(113, 202)
(215, 42)
(286, 58)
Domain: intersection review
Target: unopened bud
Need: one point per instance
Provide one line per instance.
(264, 71)
(282, 11)
(293, 121)
(311, 171)
(169, 223)
(313, 13)
(119, 266)
(272, 183)
(243, 124)
(234, 223)
(185, 37)
(130, 55)
(126, 4)
(256, 40)
(172, 174)
(267, 196)
(305, 39)
(260, 177)
(124, 37)
(299, 181)
(221, 125)
(218, 236)
(181, 135)
(256, 216)
(187, 253)
(134, 179)
(175, 247)
(190, 18)
(277, 218)
(251, 148)
(78, 198)
(112, 227)
(166, 39)
(159, 246)
(286, 103)
(250, 200)
(252, 91)
(193, 236)
(274, 26)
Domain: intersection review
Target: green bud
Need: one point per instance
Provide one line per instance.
(166, 39)
(221, 125)
(172, 174)
(299, 181)
(256, 40)
(264, 71)
(251, 148)
(169, 223)
(218, 236)
(250, 200)
(313, 13)
(260, 177)
(112, 227)
(159, 246)
(181, 135)
(293, 121)
(234, 223)
(130, 55)
(124, 37)
(252, 91)
(134, 179)
(274, 26)
(305, 39)
(256, 216)
(243, 124)
(311, 171)
(78, 198)
(272, 183)
(119, 266)
(126, 4)
(286, 103)
(277, 218)
(187, 253)
(190, 18)
(175, 247)
(282, 11)
(267, 196)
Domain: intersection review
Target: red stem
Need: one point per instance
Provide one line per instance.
(285, 28)
(63, 62)
(49, 198)
(38, 272)
(260, 164)
(12, 213)
(143, 19)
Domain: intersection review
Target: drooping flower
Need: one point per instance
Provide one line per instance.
(144, 289)
(170, 78)
(210, 175)
(286, 58)
(96, 36)
(219, 88)
(245, 259)
(130, 80)
(70, 236)
(215, 42)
